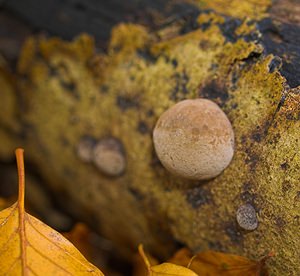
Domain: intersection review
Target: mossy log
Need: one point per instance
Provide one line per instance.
(63, 92)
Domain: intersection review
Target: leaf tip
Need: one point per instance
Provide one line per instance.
(144, 257)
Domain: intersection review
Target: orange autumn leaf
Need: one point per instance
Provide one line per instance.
(30, 247)
(165, 268)
(139, 268)
(211, 263)
(79, 236)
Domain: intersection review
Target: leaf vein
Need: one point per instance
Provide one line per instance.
(65, 251)
(7, 218)
(47, 258)
(32, 271)
(12, 265)
(8, 240)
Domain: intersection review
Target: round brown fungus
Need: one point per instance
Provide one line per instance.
(246, 217)
(109, 157)
(194, 139)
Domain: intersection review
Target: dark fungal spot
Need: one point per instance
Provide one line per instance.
(286, 186)
(256, 136)
(228, 29)
(180, 90)
(252, 159)
(116, 48)
(284, 166)
(251, 59)
(243, 139)
(146, 55)
(103, 89)
(204, 44)
(232, 231)
(292, 116)
(216, 245)
(214, 90)
(214, 66)
(142, 127)
(252, 36)
(174, 62)
(198, 196)
(190, 21)
(234, 106)
(280, 222)
(70, 87)
(275, 64)
(125, 103)
(275, 139)
(68, 172)
(53, 72)
(205, 26)
(297, 197)
(150, 113)
(234, 79)
(247, 197)
(137, 194)
(64, 141)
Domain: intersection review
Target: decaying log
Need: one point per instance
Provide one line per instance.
(64, 92)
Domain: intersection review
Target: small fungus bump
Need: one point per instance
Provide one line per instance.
(246, 217)
(85, 148)
(194, 139)
(109, 156)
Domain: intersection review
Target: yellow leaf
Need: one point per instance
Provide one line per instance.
(80, 237)
(30, 247)
(139, 268)
(167, 269)
(211, 263)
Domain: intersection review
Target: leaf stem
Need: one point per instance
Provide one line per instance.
(21, 173)
(145, 259)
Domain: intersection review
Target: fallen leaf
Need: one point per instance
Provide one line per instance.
(28, 246)
(211, 263)
(139, 268)
(165, 268)
(80, 237)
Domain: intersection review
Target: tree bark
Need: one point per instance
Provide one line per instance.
(64, 92)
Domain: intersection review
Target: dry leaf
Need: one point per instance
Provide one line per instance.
(211, 263)
(79, 236)
(30, 247)
(165, 268)
(139, 268)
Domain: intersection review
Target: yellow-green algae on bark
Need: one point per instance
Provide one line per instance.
(69, 92)
(255, 9)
